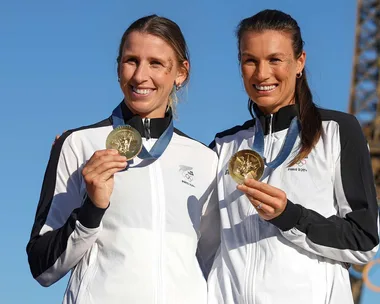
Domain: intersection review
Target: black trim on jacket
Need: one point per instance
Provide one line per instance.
(43, 251)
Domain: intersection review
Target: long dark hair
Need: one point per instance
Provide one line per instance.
(310, 118)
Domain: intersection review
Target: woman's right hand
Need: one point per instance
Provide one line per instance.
(98, 174)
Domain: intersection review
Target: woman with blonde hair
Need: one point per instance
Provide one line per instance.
(127, 204)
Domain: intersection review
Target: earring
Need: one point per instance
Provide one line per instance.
(299, 75)
(177, 86)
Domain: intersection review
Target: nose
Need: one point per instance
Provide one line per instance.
(141, 73)
(262, 71)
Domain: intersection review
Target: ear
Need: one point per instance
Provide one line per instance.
(118, 59)
(182, 73)
(301, 60)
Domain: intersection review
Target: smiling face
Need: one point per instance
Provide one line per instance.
(148, 71)
(269, 68)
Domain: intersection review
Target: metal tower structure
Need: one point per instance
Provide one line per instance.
(365, 91)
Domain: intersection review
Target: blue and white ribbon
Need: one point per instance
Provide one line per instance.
(159, 146)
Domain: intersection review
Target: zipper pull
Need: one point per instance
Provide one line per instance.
(147, 128)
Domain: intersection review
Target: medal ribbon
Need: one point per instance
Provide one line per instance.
(290, 139)
(159, 146)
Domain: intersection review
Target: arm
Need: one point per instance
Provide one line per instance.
(352, 236)
(66, 224)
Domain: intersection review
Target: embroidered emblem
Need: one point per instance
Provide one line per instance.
(187, 175)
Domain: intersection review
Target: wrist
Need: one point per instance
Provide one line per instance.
(90, 215)
(288, 218)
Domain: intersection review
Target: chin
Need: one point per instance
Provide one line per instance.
(140, 110)
(264, 101)
(137, 106)
(145, 109)
(267, 106)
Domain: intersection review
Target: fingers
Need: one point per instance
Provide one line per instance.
(256, 194)
(256, 197)
(264, 192)
(97, 161)
(261, 207)
(102, 166)
(57, 137)
(103, 160)
(55, 140)
(104, 171)
(269, 201)
(101, 153)
(97, 180)
(263, 187)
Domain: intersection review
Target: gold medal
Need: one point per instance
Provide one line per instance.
(126, 140)
(246, 164)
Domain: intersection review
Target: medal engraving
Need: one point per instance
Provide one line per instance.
(246, 164)
(126, 140)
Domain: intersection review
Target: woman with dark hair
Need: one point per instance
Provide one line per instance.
(127, 204)
(295, 185)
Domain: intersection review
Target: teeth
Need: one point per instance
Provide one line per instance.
(265, 88)
(142, 91)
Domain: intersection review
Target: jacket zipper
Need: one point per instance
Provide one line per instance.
(268, 144)
(254, 233)
(270, 135)
(147, 128)
(158, 216)
(248, 269)
(160, 230)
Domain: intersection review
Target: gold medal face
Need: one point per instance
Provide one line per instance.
(126, 140)
(246, 164)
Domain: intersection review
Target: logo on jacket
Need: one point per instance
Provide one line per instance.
(187, 174)
(300, 166)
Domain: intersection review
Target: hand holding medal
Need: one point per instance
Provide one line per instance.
(269, 201)
(123, 144)
(246, 168)
(98, 174)
(99, 171)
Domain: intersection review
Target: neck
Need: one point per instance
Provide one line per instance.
(274, 108)
(150, 115)
(157, 113)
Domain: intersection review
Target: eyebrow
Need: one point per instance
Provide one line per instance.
(278, 54)
(132, 55)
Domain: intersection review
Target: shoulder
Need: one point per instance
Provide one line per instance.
(232, 132)
(192, 142)
(341, 118)
(67, 136)
(349, 128)
(347, 123)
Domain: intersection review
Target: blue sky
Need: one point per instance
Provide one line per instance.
(58, 71)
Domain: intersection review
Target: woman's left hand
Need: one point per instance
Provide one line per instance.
(269, 201)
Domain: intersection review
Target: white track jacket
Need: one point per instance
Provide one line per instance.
(331, 218)
(143, 249)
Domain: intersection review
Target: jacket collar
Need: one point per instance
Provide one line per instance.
(278, 121)
(156, 125)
